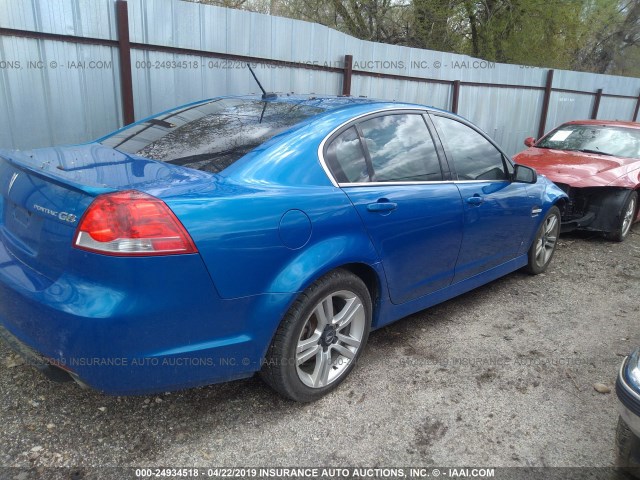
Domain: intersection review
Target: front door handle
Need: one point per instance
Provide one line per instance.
(382, 205)
(475, 200)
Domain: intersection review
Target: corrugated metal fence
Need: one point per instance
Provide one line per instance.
(73, 70)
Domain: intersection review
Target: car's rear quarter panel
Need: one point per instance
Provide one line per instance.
(241, 237)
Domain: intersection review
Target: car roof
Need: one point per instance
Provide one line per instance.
(605, 123)
(327, 103)
(330, 103)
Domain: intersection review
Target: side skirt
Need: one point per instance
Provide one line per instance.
(390, 313)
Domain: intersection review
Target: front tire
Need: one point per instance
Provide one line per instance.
(625, 218)
(320, 338)
(544, 245)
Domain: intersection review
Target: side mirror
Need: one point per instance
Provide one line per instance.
(524, 174)
(529, 141)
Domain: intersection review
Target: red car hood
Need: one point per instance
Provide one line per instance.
(581, 169)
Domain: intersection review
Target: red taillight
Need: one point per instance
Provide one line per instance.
(131, 223)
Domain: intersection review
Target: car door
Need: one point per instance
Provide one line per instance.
(497, 211)
(389, 167)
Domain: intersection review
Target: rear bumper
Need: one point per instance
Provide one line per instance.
(150, 325)
(34, 359)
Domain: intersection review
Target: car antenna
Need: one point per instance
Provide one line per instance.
(265, 95)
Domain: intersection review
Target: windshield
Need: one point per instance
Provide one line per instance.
(212, 135)
(617, 141)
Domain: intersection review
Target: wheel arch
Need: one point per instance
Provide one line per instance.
(608, 202)
(370, 278)
(561, 203)
(372, 275)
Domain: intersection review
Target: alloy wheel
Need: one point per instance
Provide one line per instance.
(330, 339)
(628, 217)
(546, 242)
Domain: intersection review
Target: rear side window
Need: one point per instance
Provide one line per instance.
(474, 157)
(401, 149)
(210, 136)
(345, 158)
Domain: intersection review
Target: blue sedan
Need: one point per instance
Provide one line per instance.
(255, 234)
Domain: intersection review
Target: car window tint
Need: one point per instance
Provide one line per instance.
(401, 148)
(345, 158)
(212, 135)
(474, 157)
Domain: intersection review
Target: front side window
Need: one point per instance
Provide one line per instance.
(474, 157)
(212, 135)
(401, 149)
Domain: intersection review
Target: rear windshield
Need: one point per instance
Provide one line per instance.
(209, 136)
(617, 141)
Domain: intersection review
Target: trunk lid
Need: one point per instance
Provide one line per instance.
(44, 193)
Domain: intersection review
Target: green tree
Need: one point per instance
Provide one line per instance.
(375, 20)
(532, 32)
(436, 25)
(612, 29)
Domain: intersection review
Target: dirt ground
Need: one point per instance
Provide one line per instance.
(502, 376)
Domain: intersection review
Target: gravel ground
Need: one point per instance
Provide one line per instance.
(501, 376)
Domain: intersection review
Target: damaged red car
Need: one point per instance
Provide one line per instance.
(597, 163)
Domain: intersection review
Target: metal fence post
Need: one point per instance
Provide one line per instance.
(596, 104)
(456, 96)
(346, 78)
(124, 48)
(545, 104)
(635, 113)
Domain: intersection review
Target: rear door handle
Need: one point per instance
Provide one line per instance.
(475, 200)
(382, 205)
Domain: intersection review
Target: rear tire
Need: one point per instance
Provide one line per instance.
(625, 218)
(544, 245)
(320, 338)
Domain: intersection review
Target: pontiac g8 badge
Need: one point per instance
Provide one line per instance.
(64, 216)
